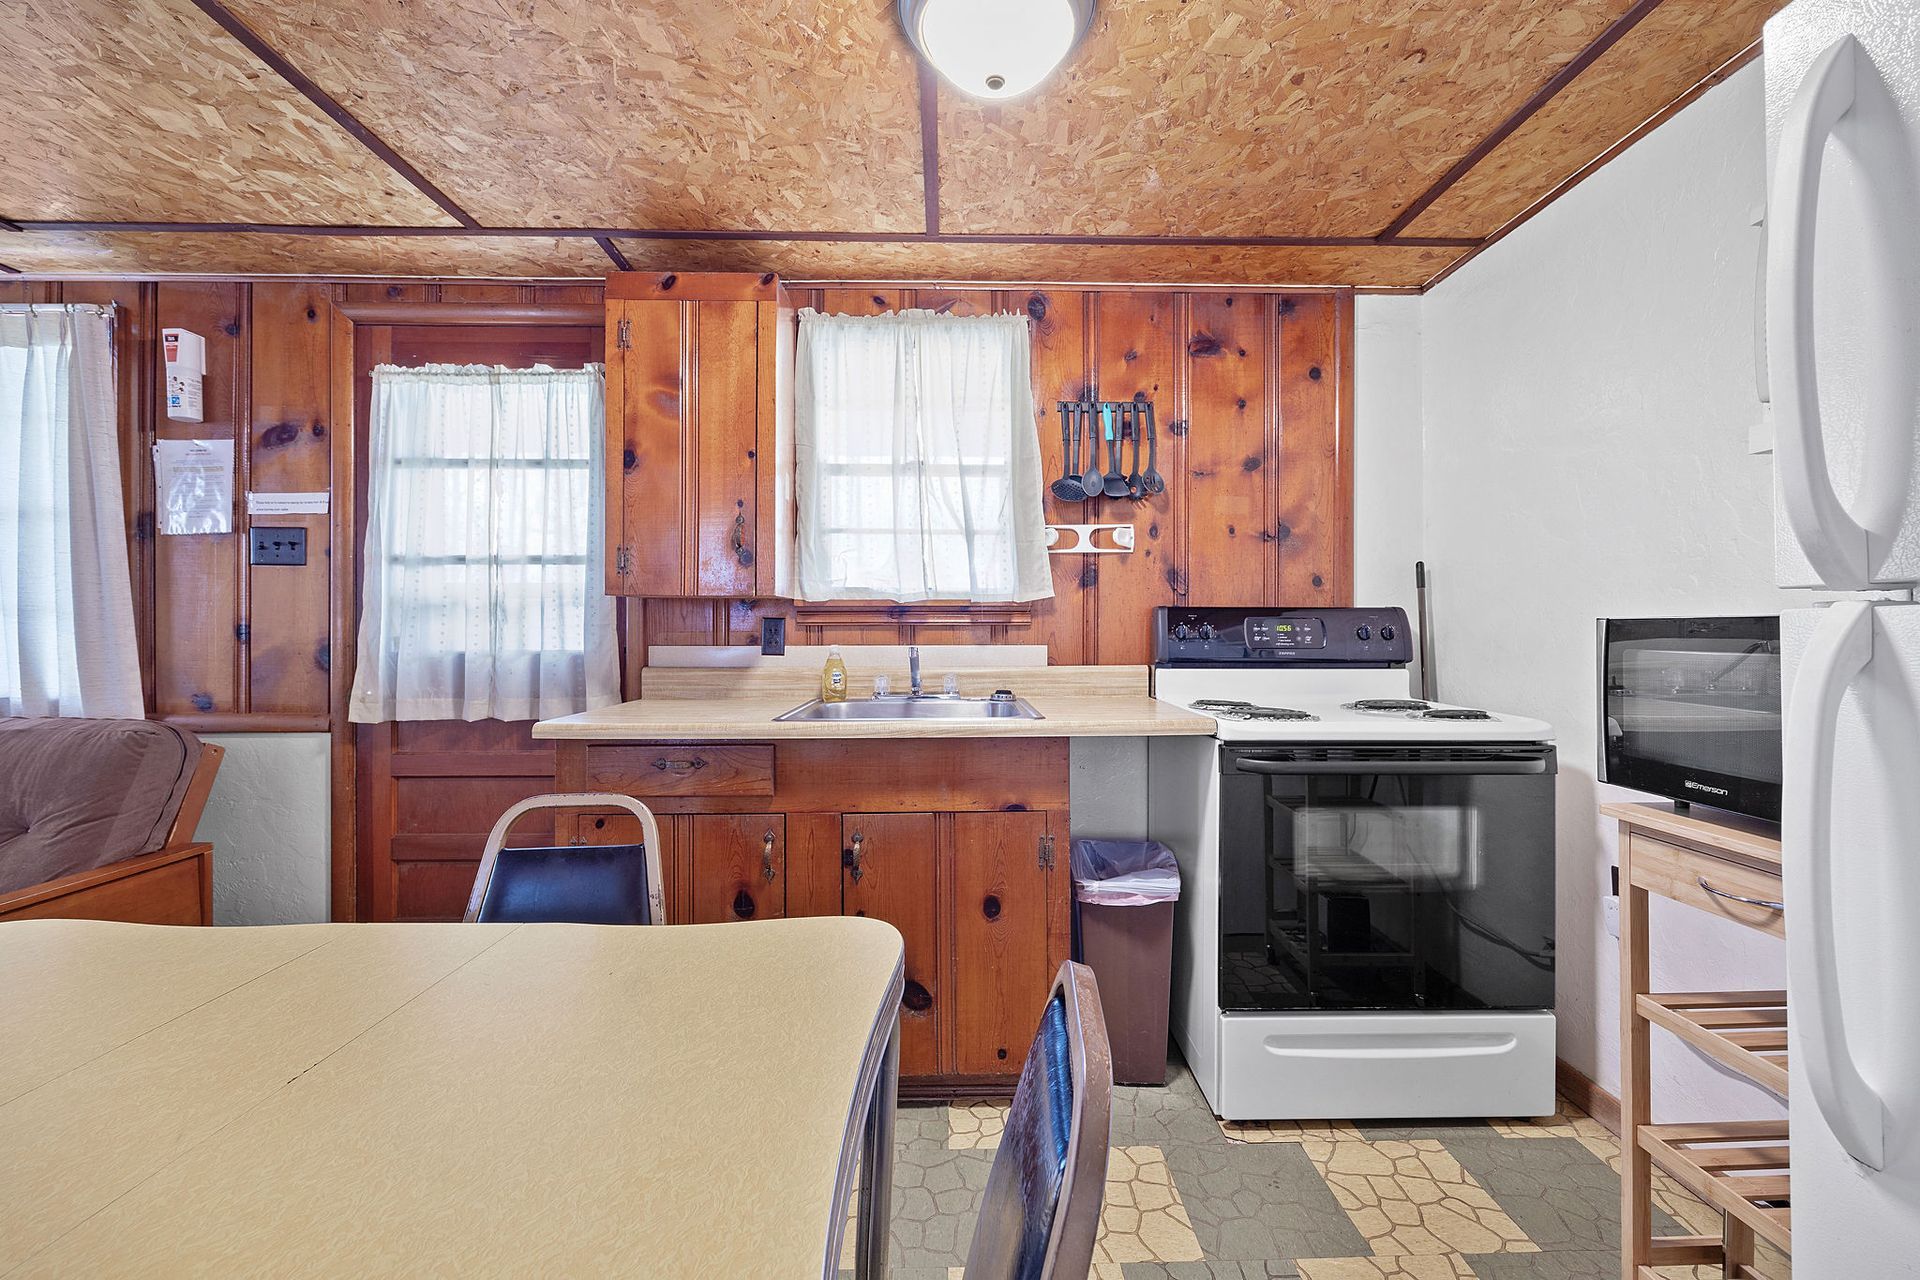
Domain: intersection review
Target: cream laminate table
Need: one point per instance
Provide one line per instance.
(461, 1099)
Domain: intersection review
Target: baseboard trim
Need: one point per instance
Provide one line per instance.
(1582, 1092)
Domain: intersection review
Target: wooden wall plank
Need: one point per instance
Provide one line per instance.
(1227, 475)
(1060, 329)
(291, 452)
(196, 652)
(1312, 493)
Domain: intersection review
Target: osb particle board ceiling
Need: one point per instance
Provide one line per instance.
(1186, 141)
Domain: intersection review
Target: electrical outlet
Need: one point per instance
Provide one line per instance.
(1610, 909)
(278, 545)
(773, 636)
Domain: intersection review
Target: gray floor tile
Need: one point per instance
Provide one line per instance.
(1569, 1264)
(936, 1200)
(1562, 1195)
(921, 1124)
(1210, 1271)
(1163, 1115)
(1257, 1203)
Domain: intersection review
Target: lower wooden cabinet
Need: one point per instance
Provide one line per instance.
(968, 862)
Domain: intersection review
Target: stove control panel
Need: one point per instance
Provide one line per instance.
(1266, 636)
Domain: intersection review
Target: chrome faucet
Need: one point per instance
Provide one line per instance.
(913, 668)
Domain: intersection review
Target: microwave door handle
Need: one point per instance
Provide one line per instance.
(1425, 767)
(1834, 543)
(1840, 649)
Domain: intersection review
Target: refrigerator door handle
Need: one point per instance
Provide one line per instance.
(1839, 651)
(1834, 542)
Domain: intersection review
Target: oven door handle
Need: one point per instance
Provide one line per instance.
(1457, 768)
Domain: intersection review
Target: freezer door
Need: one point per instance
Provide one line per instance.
(1850, 834)
(1842, 291)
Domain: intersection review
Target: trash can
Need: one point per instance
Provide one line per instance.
(1123, 892)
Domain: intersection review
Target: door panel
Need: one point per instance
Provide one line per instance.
(650, 447)
(739, 867)
(896, 879)
(728, 376)
(1001, 953)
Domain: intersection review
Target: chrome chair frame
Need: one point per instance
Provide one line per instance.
(649, 837)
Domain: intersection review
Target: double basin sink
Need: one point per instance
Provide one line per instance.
(1001, 706)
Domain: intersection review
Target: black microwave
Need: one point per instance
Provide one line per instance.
(1690, 709)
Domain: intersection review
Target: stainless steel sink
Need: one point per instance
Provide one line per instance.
(921, 708)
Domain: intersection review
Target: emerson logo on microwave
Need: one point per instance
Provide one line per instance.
(1691, 785)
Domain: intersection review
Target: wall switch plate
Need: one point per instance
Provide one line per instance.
(773, 636)
(1610, 908)
(272, 545)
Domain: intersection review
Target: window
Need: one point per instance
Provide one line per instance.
(67, 645)
(918, 459)
(480, 599)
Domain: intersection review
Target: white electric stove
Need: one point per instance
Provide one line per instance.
(1366, 918)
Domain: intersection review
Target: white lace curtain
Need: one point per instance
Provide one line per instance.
(918, 473)
(67, 644)
(481, 596)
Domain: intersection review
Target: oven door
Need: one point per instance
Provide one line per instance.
(1356, 877)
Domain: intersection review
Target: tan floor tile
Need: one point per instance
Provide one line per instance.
(1447, 1266)
(1143, 1220)
(1413, 1198)
(976, 1125)
(1284, 1130)
(1569, 1122)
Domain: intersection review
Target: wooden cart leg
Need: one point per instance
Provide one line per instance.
(1636, 1169)
(1737, 1238)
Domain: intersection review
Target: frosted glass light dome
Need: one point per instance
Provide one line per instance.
(995, 48)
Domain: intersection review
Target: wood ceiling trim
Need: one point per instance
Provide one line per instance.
(6, 270)
(325, 101)
(612, 250)
(930, 143)
(1717, 76)
(122, 252)
(1615, 32)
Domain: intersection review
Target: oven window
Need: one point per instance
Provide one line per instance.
(1405, 884)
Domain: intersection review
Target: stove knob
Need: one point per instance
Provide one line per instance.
(1386, 632)
(1206, 631)
(1182, 631)
(1364, 631)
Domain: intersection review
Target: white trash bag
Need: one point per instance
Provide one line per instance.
(1124, 873)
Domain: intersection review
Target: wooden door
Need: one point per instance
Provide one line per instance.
(624, 828)
(1005, 948)
(891, 872)
(739, 866)
(683, 418)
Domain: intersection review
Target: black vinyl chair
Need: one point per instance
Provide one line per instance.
(575, 884)
(1042, 1206)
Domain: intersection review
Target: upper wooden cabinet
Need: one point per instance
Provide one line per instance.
(699, 439)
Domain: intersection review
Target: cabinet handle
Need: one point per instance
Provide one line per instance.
(850, 858)
(666, 765)
(740, 552)
(1734, 897)
(766, 855)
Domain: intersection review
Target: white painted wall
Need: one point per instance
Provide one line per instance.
(1387, 451)
(1587, 389)
(267, 819)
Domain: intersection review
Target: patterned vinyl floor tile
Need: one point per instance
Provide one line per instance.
(1285, 1130)
(1446, 1266)
(1411, 1197)
(1143, 1219)
(975, 1124)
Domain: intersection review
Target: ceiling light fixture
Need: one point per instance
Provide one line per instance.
(995, 48)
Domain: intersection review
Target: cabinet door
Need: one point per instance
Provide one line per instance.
(683, 423)
(739, 867)
(624, 828)
(891, 872)
(1005, 944)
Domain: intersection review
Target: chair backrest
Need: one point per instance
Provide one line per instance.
(1041, 1210)
(574, 884)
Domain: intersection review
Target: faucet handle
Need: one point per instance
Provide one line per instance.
(951, 686)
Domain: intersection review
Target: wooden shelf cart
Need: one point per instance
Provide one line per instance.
(1730, 868)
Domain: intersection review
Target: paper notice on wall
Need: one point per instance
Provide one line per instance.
(193, 486)
(287, 504)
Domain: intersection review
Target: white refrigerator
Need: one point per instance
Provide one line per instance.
(1843, 355)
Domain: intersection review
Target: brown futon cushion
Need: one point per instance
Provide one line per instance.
(79, 794)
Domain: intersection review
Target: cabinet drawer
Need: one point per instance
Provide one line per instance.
(719, 769)
(1675, 871)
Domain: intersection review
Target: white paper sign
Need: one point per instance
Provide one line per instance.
(193, 484)
(287, 504)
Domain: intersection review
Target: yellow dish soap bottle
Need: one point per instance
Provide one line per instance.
(833, 677)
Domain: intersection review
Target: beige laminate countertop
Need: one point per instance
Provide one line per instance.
(448, 1099)
(752, 719)
(689, 704)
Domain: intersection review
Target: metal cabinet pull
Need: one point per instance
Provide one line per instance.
(766, 855)
(740, 538)
(850, 858)
(1734, 897)
(666, 765)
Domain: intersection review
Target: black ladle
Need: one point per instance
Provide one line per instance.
(1092, 482)
(1134, 427)
(1152, 479)
(1068, 488)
